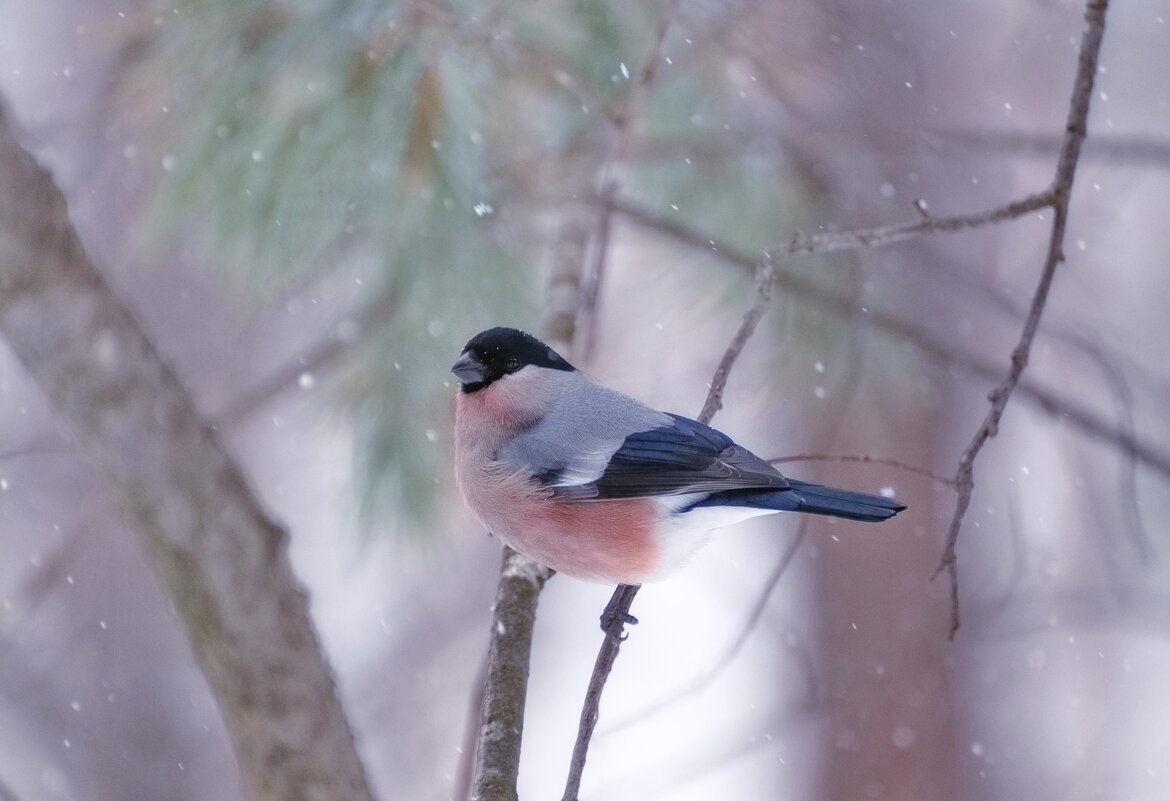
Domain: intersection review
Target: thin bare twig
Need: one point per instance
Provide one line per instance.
(802, 244)
(765, 274)
(619, 145)
(1114, 380)
(838, 241)
(1060, 192)
(619, 607)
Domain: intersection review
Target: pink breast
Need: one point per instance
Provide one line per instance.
(611, 542)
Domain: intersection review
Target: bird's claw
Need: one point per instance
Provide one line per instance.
(611, 617)
(608, 618)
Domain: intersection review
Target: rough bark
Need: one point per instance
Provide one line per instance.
(502, 717)
(223, 559)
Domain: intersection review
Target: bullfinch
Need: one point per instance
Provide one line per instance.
(596, 485)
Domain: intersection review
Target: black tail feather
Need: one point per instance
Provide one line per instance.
(820, 500)
(801, 496)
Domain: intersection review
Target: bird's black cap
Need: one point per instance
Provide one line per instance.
(496, 352)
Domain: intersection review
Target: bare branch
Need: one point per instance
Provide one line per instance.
(620, 607)
(765, 273)
(1061, 192)
(223, 559)
(802, 244)
(504, 692)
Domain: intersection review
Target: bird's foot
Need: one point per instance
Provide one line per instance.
(613, 616)
(608, 618)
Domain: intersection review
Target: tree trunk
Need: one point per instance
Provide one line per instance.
(222, 558)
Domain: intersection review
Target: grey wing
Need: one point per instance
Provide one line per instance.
(571, 447)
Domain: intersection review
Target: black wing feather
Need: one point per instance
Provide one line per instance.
(683, 457)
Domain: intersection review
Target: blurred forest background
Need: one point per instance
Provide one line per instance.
(312, 204)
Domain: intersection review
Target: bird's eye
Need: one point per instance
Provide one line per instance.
(511, 364)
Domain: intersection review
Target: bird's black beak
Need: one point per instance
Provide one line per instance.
(469, 370)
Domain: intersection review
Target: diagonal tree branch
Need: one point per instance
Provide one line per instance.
(223, 559)
(1061, 192)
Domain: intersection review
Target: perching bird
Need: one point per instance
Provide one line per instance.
(596, 485)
